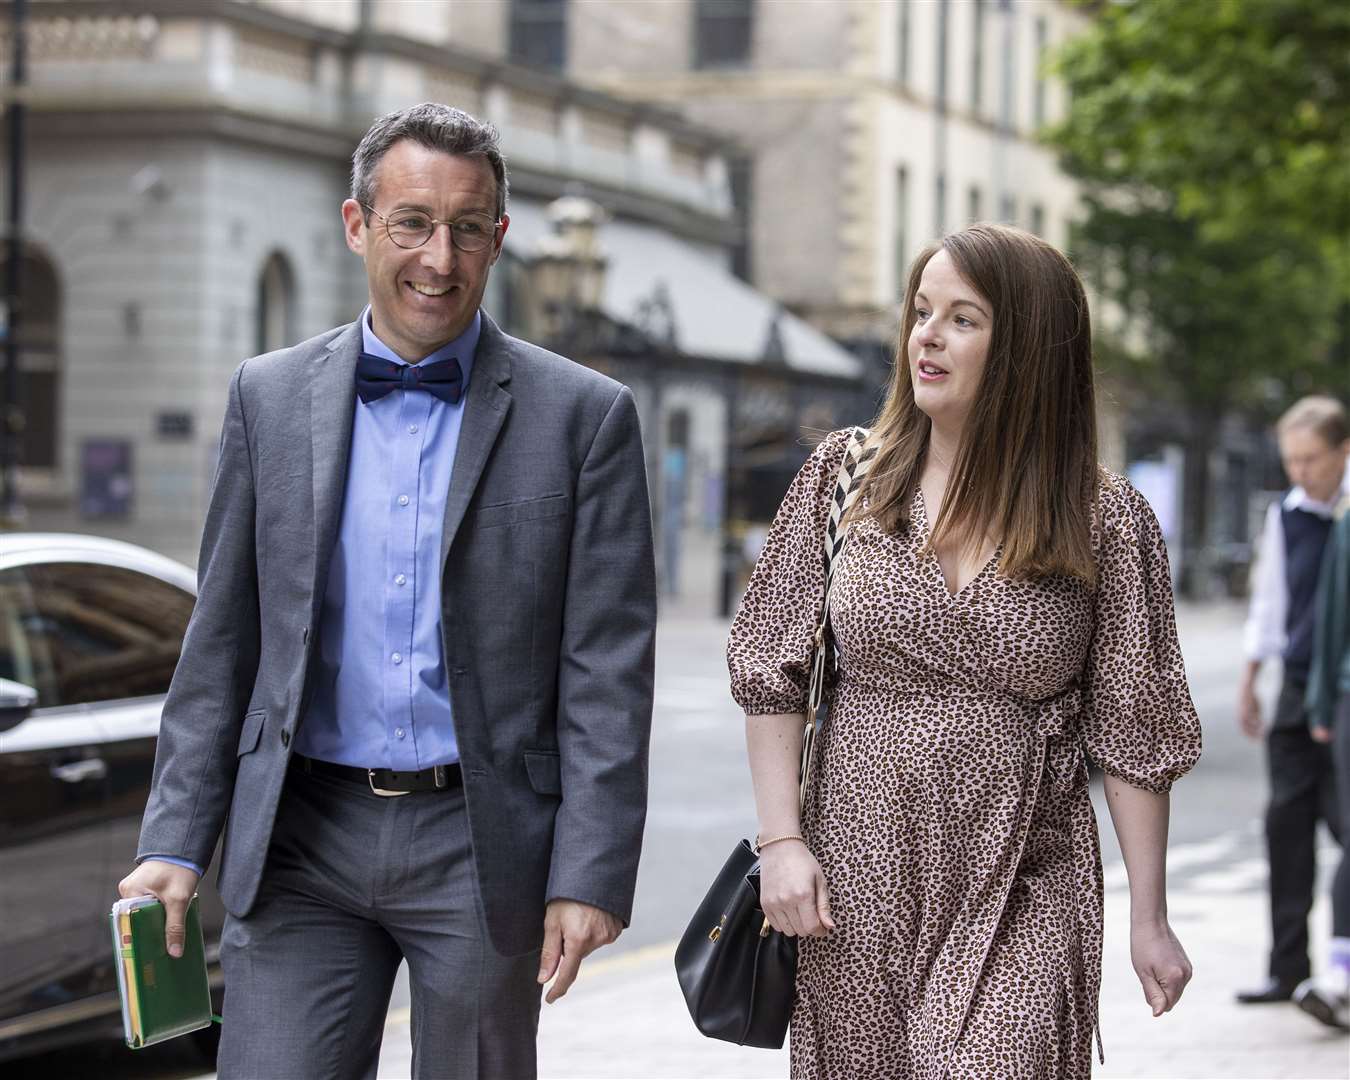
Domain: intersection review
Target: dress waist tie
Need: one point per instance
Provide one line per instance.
(1054, 717)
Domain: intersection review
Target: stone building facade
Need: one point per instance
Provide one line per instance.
(185, 166)
(867, 127)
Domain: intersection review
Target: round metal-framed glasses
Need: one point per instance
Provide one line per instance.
(471, 232)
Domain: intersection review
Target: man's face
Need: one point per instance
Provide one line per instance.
(1312, 463)
(422, 297)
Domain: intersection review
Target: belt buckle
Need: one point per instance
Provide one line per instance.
(370, 779)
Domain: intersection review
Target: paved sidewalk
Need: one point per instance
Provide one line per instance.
(624, 1019)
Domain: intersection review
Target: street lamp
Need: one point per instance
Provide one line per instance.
(568, 270)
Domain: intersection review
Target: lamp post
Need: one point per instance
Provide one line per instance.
(568, 271)
(11, 416)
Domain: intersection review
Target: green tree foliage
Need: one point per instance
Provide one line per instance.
(1238, 110)
(1212, 138)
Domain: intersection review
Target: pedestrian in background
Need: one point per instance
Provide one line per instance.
(416, 689)
(1327, 997)
(1313, 440)
(1003, 605)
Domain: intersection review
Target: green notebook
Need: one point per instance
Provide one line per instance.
(162, 997)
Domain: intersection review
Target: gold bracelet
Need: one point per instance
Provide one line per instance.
(760, 845)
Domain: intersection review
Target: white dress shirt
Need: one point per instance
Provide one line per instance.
(1264, 635)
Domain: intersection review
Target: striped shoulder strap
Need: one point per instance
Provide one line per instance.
(858, 458)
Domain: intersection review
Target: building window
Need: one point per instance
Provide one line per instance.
(539, 33)
(977, 57)
(276, 305)
(974, 205)
(1007, 97)
(940, 204)
(901, 226)
(1038, 98)
(1007, 209)
(1038, 219)
(38, 334)
(740, 175)
(902, 44)
(723, 30)
(944, 10)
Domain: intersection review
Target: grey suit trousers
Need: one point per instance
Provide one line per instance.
(353, 883)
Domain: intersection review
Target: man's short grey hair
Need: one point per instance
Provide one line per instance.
(437, 127)
(1319, 413)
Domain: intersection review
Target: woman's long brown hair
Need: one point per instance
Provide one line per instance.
(1026, 469)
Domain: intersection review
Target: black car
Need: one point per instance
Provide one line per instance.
(90, 631)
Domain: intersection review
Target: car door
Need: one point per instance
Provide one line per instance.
(115, 634)
(53, 826)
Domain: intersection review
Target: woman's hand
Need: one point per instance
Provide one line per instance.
(1161, 964)
(792, 890)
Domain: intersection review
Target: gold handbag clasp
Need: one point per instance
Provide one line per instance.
(716, 931)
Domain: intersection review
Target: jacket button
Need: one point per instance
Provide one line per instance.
(285, 737)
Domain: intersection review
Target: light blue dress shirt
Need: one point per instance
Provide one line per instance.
(380, 698)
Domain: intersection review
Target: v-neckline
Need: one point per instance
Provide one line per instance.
(926, 535)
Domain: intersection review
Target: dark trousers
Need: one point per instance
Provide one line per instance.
(1302, 791)
(354, 883)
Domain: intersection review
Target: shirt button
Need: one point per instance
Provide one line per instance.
(397, 658)
(412, 429)
(403, 500)
(400, 579)
(399, 733)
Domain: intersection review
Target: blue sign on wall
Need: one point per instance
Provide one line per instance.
(106, 485)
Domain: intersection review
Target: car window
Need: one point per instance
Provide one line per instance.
(104, 632)
(22, 657)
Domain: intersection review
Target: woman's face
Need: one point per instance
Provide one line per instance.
(949, 343)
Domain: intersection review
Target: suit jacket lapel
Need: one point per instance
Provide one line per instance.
(332, 405)
(485, 408)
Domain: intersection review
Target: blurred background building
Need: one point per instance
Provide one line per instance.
(745, 184)
(186, 164)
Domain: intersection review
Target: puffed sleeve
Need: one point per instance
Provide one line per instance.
(769, 649)
(1139, 722)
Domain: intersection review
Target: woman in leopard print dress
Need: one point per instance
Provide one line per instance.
(991, 637)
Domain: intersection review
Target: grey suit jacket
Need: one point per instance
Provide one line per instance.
(548, 624)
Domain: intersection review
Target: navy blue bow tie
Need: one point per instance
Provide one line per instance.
(376, 376)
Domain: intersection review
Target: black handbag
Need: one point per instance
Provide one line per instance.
(737, 973)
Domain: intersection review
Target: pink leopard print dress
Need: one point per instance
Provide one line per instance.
(949, 802)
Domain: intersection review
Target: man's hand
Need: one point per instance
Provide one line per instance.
(572, 931)
(1161, 964)
(1320, 734)
(172, 886)
(1249, 711)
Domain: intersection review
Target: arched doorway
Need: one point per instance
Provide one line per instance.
(276, 305)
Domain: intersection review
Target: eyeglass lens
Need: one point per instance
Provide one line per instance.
(471, 233)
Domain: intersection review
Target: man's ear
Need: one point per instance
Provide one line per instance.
(354, 226)
(501, 237)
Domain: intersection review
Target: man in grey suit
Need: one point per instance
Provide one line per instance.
(416, 690)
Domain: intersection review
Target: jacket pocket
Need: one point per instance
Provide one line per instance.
(544, 769)
(252, 731)
(513, 513)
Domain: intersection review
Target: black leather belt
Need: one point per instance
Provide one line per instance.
(386, 781)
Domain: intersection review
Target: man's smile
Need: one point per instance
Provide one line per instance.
(428, 290)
